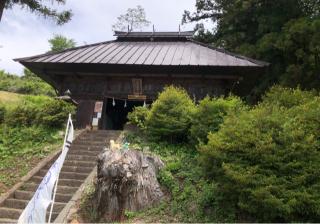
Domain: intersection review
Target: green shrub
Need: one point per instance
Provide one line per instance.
(209, 116)
(139, 117)
(267, 160)
(287, 97)
(39, 110)
(27, 84)
(171, 115)
(23, 114)
(55, 113)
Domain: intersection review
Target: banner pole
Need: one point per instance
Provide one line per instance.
(56, 184)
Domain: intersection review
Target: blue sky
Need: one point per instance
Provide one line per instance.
(25, 34)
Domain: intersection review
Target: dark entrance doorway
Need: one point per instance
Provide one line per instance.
(116, 115)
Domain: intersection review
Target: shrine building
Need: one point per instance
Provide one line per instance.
(108, 79)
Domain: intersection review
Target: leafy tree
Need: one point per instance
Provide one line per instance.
(27, 84)
(266, 160)
(40, 8)
(59, 43)
(282, 32)
(134, 19)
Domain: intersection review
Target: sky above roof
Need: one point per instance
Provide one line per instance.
(25, 34)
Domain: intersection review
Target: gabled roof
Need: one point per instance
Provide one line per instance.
(143, 48)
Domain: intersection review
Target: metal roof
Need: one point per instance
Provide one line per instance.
(132, 52)
(184, 34)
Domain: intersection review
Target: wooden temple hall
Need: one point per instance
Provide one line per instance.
(108, 79)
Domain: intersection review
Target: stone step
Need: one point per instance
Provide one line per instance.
(83, 152)
(60, 190)
(10, 213)
(66, 175)
(92, 138)
(15, 203)
(79, 163)
(86, 147)
(62, 182)
(21, 204)
(70, 183)
(27, 195)
(82, 157)
(14, 214)
(53, 216)
(73, 175)
(4, 220)
(95, 143)
(78, 169)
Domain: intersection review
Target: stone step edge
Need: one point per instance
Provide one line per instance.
(66, 211)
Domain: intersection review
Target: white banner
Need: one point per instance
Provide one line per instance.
(36, 210)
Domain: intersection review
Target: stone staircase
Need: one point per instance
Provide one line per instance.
(79, 163)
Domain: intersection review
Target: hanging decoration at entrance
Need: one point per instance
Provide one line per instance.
(113, 102)
(125, 103)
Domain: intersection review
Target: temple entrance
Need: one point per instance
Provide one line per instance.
(116, 115)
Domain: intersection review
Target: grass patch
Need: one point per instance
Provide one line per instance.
(21, 149)
(7, 97)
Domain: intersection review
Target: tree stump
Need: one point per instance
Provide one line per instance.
(126, 182)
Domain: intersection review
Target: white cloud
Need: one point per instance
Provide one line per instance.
(25, 34)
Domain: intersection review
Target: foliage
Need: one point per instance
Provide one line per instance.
(209, 116)
(139, 117)
(266, 160)
(38, 110)
(190, 197)
(2, 113)
(29, 131)
(55, 113)
(170, 115)
(60, 43)
(37, 6)
(134, 19)
(284, 33)
(24, 147)
(287, 97)
(27, 84)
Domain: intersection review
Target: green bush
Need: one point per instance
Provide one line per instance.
(171, 115)
(23, 114)
(39, 110)
(55, 113)
(287, 97)
(139, 117)
(209, 116)
(27, 84)
(267, 160)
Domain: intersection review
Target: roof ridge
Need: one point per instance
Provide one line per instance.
(50, 53)
(222, 50)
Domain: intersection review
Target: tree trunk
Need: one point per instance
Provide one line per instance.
(2, 4)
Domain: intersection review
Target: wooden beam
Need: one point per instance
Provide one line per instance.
(2, 5)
